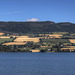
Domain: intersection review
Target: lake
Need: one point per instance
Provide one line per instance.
(16, 63)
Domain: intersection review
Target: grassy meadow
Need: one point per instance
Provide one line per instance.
(3, 40)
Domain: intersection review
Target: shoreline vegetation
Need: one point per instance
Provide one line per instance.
(50, 42)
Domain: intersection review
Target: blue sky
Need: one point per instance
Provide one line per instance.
(44, 10)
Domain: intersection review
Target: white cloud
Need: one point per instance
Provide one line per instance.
(32, 20)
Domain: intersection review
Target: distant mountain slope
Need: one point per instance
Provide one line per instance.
(36, 27)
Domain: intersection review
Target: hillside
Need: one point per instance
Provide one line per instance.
(36, 27)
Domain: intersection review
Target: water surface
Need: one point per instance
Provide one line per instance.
(37, 63)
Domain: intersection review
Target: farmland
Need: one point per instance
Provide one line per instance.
(21, 40)
(72, 40)
(1, 33)
(26, 39)
(5, 37)
(54, 42)
(60, 33)
(14, 43)
(51, 35)
(3, 40)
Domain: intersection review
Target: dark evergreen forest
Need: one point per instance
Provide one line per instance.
(36, 27)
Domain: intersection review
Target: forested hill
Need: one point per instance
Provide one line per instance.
(36, 27)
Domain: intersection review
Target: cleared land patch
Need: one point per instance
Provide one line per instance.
(26, 39)
(55, 36)
(51, 35)
(35, 50)
(4, 37)
(14, 43)
(2, 33)
(21, 40)
(72, 40)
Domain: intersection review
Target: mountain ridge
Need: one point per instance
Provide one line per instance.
(36, 27)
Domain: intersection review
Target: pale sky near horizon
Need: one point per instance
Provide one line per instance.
(43, 10)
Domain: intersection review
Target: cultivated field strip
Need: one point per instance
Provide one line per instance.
(26, 39)
(72, 40)
(51, 35)
(1, 33)
(14, 43)
(21, 40)
(4, 37)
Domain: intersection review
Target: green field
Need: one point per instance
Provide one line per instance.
(60, 33)
(3, 40)
(56, 40)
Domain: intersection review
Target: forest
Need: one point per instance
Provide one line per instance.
(36, 27)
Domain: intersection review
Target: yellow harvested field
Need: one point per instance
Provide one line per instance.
(35, 50)
(72, 40)
(67, 48)
(70, 49)
(4, 37)
(19, 39)
(52, 35)
(13, 43)
(2, 33)
(13, 36)
(55, 36)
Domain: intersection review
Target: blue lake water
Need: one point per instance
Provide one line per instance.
(37, 63)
